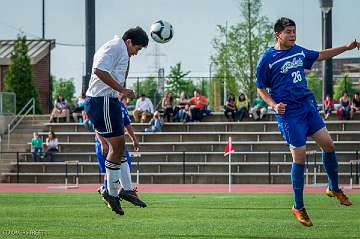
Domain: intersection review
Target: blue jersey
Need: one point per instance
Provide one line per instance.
(125, 115)
(282, 72)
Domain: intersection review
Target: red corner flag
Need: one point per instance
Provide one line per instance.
(229, 148)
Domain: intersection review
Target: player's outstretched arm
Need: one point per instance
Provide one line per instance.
(131, 133)
(277, 107)
(331, 52)
(107, 79)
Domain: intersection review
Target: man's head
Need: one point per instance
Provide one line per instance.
(135, 39)
(142, 97)
(285, 32)
(356, 95)
(197, 93)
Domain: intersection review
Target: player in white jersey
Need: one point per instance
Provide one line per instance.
(109, 72)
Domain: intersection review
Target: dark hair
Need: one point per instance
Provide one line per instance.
(283, 22)
(231, 97)
(198, 91)
(52, 134)
(137, 36)
(242, 94)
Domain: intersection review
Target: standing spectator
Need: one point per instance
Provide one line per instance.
(343, 111)
(242, 106)
(182, 101)
(167, 105)
(144, 109)
(328, 105)
(259, 108)
(51, 145)
(198, 105)
(183, 115)
(61, 109)
(230, 108)
(36, 146)
(355, 104)
(78, 112)
(155, 123)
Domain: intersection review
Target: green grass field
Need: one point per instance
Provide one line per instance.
(174, 215)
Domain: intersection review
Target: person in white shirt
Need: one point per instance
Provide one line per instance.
(144, 109)
(109, 72)
(51, 144)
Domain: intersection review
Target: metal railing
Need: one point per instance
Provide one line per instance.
(29, 106)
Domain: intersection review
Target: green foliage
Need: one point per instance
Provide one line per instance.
(176, 82)
(147, 87)
(19, 77)
(239, 47)
(315, 85)
(344, 84)
(63, 87)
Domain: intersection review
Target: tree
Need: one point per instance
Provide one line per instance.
(239, 47)
(147, 87)
(344, 84)
(315, 85)
(19, 77)
(176, 83)
(63, 87)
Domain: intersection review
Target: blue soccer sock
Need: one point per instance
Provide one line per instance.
(297, 180)
(332, 169)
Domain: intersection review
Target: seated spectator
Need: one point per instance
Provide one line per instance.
(61, 109)
(343, 112)
(77, 113)
(328, 105)
(259, 108)
(51, 145)
(36, 146)
(198, 105)
(355, 104)
(183, 115)
(144, 109)
(167, 105)
(155, 123)
(230, 108)
(242, 106)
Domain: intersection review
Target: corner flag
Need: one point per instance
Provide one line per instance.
(229, 148)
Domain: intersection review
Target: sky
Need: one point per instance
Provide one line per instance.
(194, 22)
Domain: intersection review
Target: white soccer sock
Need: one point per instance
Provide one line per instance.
(113, 176)
(125, 176)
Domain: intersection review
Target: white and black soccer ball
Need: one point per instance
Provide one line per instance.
(161, 31)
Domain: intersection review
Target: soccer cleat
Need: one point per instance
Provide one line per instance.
(343, 199)
(132, 197)
(102, 191)
(302, 216)
(113, 203)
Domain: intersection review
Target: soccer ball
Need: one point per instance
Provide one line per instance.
(161, 31)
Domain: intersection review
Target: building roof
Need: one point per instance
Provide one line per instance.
(37, 49)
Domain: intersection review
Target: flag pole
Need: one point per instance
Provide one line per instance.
(229, 173)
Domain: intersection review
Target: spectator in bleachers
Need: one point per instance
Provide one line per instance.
(230, 108)
(155, 123)
(51, 145)
(183, 115)
(36, 146)
(78, 112)
(180, 102)
(144, 109)
(259, 108)
(355, 104)
(328, 105)
(198, 105)
(167, 105)
(242, 106)
(343, 112)
(61, 109)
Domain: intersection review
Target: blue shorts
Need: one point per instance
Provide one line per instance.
(105, 113)
(296, 125)
(101, 159)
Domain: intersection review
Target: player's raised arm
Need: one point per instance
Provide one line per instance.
(331, 52)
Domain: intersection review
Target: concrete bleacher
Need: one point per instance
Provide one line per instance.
(187, 153)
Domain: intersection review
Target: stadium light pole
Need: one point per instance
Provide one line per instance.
(326, 30)
(43, 19)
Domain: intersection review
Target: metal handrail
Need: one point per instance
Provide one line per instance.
(19, 117)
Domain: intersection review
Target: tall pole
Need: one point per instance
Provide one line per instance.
(326, 29)
(250, 50)
(89, 40)
(43, 19)
(226, 62)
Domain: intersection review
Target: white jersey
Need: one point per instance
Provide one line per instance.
(113, 58)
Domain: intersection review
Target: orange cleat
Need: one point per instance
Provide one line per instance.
(343, 199)
(302, 216)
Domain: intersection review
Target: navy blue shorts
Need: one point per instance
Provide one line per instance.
(105, 113)
(297, 125)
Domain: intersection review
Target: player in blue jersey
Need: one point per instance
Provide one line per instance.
(280, 81)
(127, 192)
(109, 72)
